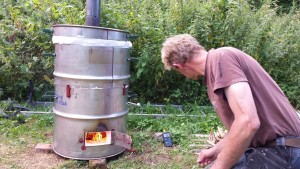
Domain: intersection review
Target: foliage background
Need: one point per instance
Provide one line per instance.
(266, 30)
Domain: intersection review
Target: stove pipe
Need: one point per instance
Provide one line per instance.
(93, 12)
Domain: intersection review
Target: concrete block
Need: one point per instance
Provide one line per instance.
(43, 148)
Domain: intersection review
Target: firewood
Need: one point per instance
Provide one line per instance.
(215, 137)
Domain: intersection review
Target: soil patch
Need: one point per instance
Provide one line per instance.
(28, 158)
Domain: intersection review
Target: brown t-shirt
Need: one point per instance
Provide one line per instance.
(226, 66)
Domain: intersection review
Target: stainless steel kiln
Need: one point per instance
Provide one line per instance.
(91, 84)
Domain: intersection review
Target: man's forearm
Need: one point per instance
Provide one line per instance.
(246, 123)
(234, 144)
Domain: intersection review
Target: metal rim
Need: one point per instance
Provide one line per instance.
(85, 77)
(88, 158)
(92, 27)
(86, 117)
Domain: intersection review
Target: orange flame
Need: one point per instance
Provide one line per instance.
(95, 137)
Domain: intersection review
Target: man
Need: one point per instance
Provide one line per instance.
(264, 128)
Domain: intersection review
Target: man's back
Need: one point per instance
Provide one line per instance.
(226, 66)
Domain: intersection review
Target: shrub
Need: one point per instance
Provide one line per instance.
(23, 42)
(265, 33)
(260, 29)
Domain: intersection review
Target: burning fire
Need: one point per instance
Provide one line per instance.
(95, 137)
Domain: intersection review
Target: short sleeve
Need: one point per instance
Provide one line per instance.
(228, 68)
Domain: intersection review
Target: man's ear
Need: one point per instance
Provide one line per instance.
(178, 65)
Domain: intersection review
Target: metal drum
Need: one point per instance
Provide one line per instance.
(91, 83)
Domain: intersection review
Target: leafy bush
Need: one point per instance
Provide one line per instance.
(259, 29)
(23, 43)
(265, 33)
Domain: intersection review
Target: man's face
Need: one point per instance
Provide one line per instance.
(187, 72)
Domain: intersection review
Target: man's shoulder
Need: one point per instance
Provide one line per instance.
(227, 49)
(223, 51)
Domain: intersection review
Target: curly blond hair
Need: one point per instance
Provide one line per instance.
(179, 49)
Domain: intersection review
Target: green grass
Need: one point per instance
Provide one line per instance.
(19, 134)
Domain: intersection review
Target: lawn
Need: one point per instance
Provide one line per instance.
(20, 134)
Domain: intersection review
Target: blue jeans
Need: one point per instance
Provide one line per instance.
(275, 157)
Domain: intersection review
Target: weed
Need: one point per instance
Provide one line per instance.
(150, 151)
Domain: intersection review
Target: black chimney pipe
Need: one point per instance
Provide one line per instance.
(93, 12)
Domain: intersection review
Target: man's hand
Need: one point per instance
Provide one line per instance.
(206, 156)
